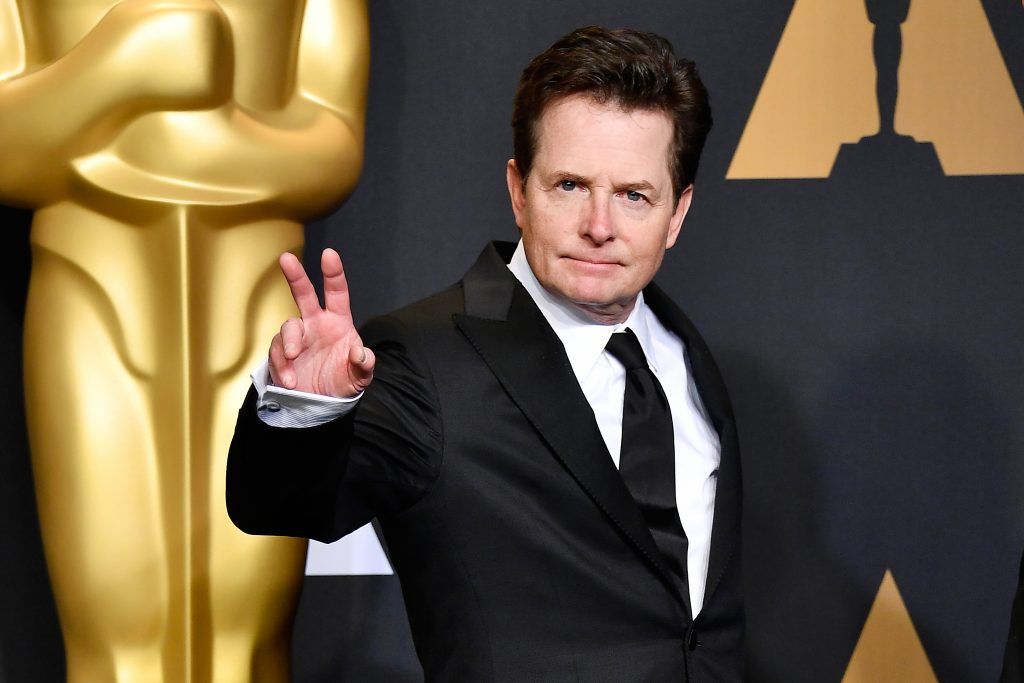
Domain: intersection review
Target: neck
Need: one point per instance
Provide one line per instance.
(607, 314)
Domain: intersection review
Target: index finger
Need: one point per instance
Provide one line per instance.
(335, 285)
(298, 282)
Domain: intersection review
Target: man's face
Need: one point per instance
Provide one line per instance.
(597, 211)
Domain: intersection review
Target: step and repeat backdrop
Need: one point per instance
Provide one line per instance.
(853, 256)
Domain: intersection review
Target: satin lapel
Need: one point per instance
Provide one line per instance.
(526, 356)
(726, 526)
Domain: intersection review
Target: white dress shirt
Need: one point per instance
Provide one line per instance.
(603, 381)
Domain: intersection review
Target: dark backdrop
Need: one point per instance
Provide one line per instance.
(869, 326)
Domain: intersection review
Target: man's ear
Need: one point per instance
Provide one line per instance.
(515, 190)
(676, 222)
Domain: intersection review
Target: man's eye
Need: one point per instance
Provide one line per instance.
(567, 185)
(634, 196)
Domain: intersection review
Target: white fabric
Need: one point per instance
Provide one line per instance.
(357, 554)
(280, 407)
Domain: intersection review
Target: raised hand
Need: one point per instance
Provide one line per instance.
(320, 352)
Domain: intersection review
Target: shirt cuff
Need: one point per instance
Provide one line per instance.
(280, 407)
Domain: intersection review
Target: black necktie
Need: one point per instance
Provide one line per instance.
(647, 456)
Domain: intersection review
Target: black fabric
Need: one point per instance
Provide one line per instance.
(1013, 658)
(647, 454)
(521, 554)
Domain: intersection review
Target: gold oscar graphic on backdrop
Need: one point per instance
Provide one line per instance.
(171, 149)
(889, 650)
(824, 89)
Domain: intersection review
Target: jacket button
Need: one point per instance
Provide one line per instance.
(691, 640)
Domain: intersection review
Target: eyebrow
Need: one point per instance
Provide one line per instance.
(566, 175)
(637, 186)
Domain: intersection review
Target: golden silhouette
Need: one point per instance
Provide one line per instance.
(887, 47)
(956, 92)
(822, 90)
(889, 650)
(818, 93)
(171, 149)
(887, 151)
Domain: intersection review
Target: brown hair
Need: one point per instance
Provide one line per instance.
(633, 69)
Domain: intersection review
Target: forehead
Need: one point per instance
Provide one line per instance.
(580, 130)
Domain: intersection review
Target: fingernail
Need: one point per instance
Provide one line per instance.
(289, 348)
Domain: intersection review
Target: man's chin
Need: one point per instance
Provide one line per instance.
(605, 311)
(596, 299)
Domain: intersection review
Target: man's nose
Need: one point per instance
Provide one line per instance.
(598, 225)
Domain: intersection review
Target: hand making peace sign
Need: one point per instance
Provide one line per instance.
(320, 352)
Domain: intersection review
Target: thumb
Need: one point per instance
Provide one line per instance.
(361, 363)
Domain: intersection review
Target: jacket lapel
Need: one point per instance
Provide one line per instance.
(528, 359)
(726, 526)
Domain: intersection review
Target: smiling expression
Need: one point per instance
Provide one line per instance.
(597, 211)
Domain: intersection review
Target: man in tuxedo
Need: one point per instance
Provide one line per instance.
(548, 444)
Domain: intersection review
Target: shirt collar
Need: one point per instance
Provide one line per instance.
(584, 340)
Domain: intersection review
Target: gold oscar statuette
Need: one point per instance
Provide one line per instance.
(171, 150)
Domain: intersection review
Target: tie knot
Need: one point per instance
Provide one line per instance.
(626, 348)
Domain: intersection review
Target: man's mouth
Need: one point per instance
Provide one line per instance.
(593, 261)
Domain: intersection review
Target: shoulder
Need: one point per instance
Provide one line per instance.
(706, 371)
(432, 314)
(485, 290)
(670, 313)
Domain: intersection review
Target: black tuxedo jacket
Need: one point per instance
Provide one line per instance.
(1013, 659)
(522, 556)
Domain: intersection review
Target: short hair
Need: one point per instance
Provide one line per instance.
(633, 69)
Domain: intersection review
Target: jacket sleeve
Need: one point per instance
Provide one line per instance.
(326, 481)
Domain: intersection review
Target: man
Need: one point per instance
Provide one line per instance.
(548, 445)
